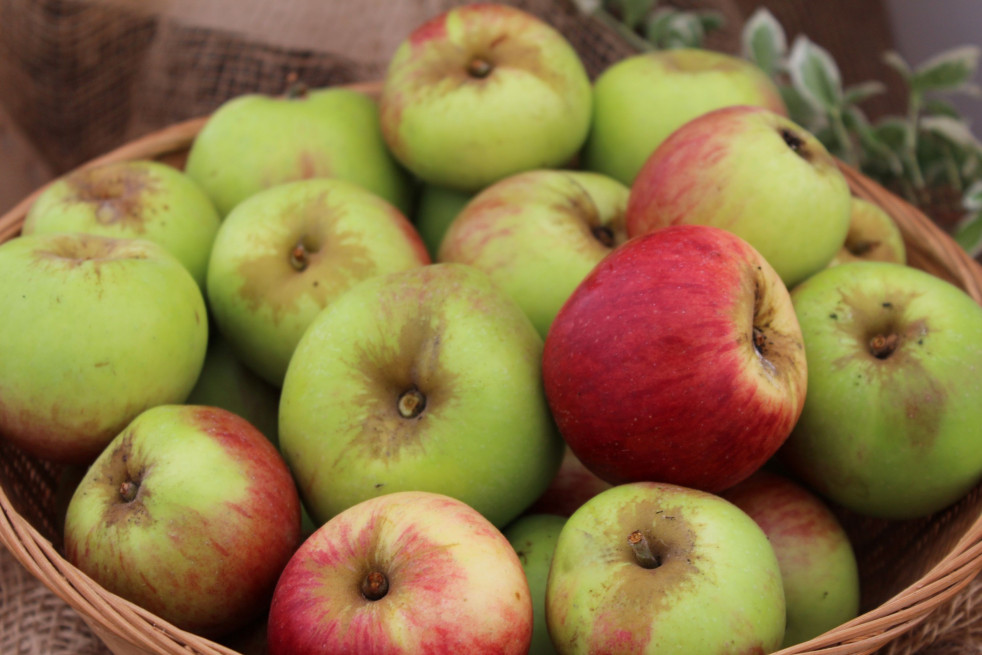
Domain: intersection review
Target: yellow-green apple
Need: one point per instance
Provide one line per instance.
(755, 173)
(255, 141)
(537, 234)
(426, 379)
(435, 209)
(285, 253)
(890, 422)
(94, 331)
(534, 538)
(640, 100)
(873, 236)
(483, 91)
(677, 359)
(191, 513)
(408, 572)
(650, 567)
(817, 561)
(137, 199)
(226, 382)
(573, 485)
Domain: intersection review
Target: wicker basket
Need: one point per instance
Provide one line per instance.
(908, 569)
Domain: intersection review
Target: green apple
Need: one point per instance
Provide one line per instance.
(818, 564)
(534, 538)
(191, 514)
(94, 331)
(537, 234)
(285, 253)
(649, 567)
(437, 207)
(640, 100)
(873, 235)
(483, 91)
(752, 172)
(408, 572)
(256, 141)
(890, 423)
(426, 379)
(132, 199)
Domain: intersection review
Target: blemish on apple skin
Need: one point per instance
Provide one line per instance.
(116, 193)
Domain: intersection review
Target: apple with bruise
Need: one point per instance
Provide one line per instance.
(408, 572)
(94, 331)
(254, 141)
(483, 91)
(287, 252)
(534, 538)
(427, 379)
(135, 200)
(890, 424)
(873, 236)
(817, 561)
(678, 359)
(652, 568)
(755, 173)
(538, 234)
(641, 99)
(190, 513)
(573, 485)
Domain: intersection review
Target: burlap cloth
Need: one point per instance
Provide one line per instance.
(81, 77)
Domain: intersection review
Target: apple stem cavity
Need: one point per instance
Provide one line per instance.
(128, 490)
(642, 550)
(479, 68)
(411, 403)
(882, 346)
(604, 235)
(300, 255)
(374, 586)
(795, 142)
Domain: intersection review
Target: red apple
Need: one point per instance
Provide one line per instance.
(407, 572)
(678, 359)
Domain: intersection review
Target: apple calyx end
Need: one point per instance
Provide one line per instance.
(479, 68)
(604, 235)
(128, 490)
(882, 346)
(795, 142)
(643, 554)
(411, 403)
(374, 586)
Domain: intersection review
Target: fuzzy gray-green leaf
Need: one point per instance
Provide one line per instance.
(815, 74)
(763, 41)
(947, 71)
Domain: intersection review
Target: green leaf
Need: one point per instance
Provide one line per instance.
(952, 130)
(874, 150)
(668, 28)
(763, 41)
(711, 20)
(856, 93)
(947, 71)
(968, 234)
(972, 199)
(815, 74)
(892, 131)
(800, 111)
(893, 59)
(938, 107)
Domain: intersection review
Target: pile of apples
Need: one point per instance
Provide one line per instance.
(504, 361)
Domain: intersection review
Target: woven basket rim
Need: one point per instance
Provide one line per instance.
(107, 613)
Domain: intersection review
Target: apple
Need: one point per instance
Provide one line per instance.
(678, 359)
(573, 485)
(641, 99)
(136, 199)
(190, 513)
(817, 561)
(436, 208)
(890, 423)
(94, 331)
(755, 173)
(427, 379)
(534, 538)
(285, 253)
(649, 567)
(255, 141)
(483, 91)
(408, 572)
(873, 235)
(537, 234)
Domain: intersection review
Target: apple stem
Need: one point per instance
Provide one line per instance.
(295, 89)
(479, 67)
(411, 403)
(375, 585)
(882, 346)
(127, 490)
(642, 550)
(298, 257)
(760, 340)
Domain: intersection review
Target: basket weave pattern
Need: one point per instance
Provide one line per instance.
(908, 569)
